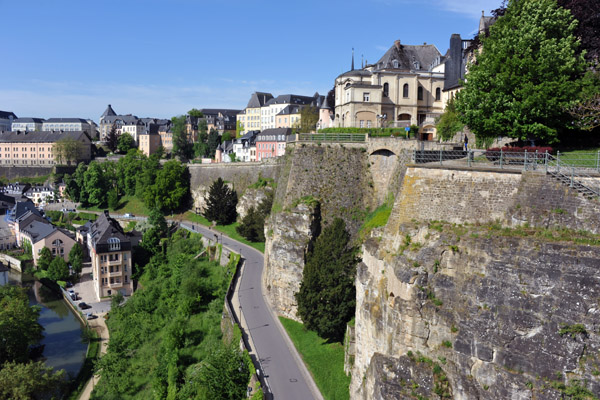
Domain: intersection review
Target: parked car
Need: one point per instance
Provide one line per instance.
(91, 315)
(128, 215)
(84, 306)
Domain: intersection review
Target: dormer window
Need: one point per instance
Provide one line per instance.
(395, 63)
(114, 244)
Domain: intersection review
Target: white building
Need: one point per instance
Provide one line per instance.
(6, 120)
(68, 124)
(27, 124)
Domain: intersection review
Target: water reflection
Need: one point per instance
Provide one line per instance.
(63, 339)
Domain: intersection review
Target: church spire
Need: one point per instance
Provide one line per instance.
(352, 69)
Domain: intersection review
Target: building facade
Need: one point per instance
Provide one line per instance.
(68, 125)
(403, 88)
(271, 143)
(27, 124)
(110, 252)
(42, 148)
(250, 117)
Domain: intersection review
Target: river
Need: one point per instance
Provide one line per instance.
(63, 340)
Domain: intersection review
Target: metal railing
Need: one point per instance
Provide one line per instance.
(333, 137)
(579, 170)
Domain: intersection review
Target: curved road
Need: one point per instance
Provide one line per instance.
(285, 373)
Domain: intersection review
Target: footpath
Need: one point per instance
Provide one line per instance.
(99, 326)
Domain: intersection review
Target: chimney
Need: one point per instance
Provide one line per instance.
(397, 44)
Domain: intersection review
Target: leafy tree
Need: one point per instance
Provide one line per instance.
(309, 116)
(19, 325)
(327, 295)
(66, 150)
(113, 198)
(220, 203)
(75, 184)
(58, 269)
(125, 143)
(252, 226)
(213, 141)
(95, 185)
(112, 138)
(239, 128)
(526, 75)
(224, 374)
(195, 113)
(29, 381)
(226, 137)
(449, 123)
(76, 258)
(45, 258)
(587, 12)
(181, 144)
(170, 188)
(157, 231)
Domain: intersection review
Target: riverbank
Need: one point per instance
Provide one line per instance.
(98, 325)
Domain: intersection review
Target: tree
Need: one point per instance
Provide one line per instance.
(45, 258)
(449, 123)
(252, 226)
(309, 116)
(66, 150)
(19, 325)
(113, 198)
(224, 374)
(76, 258)
(239, 128)
(170, 188)
(226, 137)
(327, 296)
(181, 144)
(29, 381)
(213, 141)
(220, 203)
(75, 184)
(58, 269)
(125, 143)
(95, 185)
(112, 139)
(195, 113)
(526, 75)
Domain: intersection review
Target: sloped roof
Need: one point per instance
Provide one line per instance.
(66, 120)
(7, 114)
(28, 119)
(105, 228)
(291, 99)
(38, 230)
(23, 206)
(40, 137)
(290, 110)
(108, 112)
(407, 55)
(259, 99)
(325, 104)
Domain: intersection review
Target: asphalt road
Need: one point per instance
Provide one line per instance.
(286, 376)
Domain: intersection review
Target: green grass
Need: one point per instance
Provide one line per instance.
(377, 218)
(228, 230)
(127, 204)
(581, 158)
(325, 361)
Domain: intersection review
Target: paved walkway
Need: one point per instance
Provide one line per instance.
(99, 326)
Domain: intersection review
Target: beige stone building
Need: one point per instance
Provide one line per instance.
(250, 117)
(404, 87)
(110, 252)
(42, 148)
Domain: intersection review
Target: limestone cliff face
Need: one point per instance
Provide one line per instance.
(288, 235)
(474, 312)
(251, 198)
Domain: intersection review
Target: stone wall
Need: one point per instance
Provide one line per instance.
(288, 236)
(483, 308)
(11, 173)
(238, 175)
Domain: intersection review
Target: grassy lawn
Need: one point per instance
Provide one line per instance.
(325, 361)
(228, 230)
(581, 158)
(127, 204)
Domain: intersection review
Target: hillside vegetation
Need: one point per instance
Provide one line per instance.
(165, 341)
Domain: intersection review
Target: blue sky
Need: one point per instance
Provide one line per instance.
(159, 58)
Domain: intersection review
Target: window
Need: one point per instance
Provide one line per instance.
(368, 123)
(362, 123)
(366, 96)
(114, 244)
(386, 89)
(395, 63)
(405, 90)
(348, 96)
(438, 94)
(420, 93)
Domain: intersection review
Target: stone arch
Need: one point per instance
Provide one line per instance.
(383, 152)
(404, 117)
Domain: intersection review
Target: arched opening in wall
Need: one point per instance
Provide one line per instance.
(383, 153)
(428, 132)
(386, 89)
(366, 119)
(403, 120)
(405, 90)
(438, 94)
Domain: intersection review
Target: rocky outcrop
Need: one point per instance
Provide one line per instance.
(497, 314)
(252, 198)
(288, 236)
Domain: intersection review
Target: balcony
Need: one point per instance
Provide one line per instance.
(115, 262)
(117, 273)
(115, 285)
